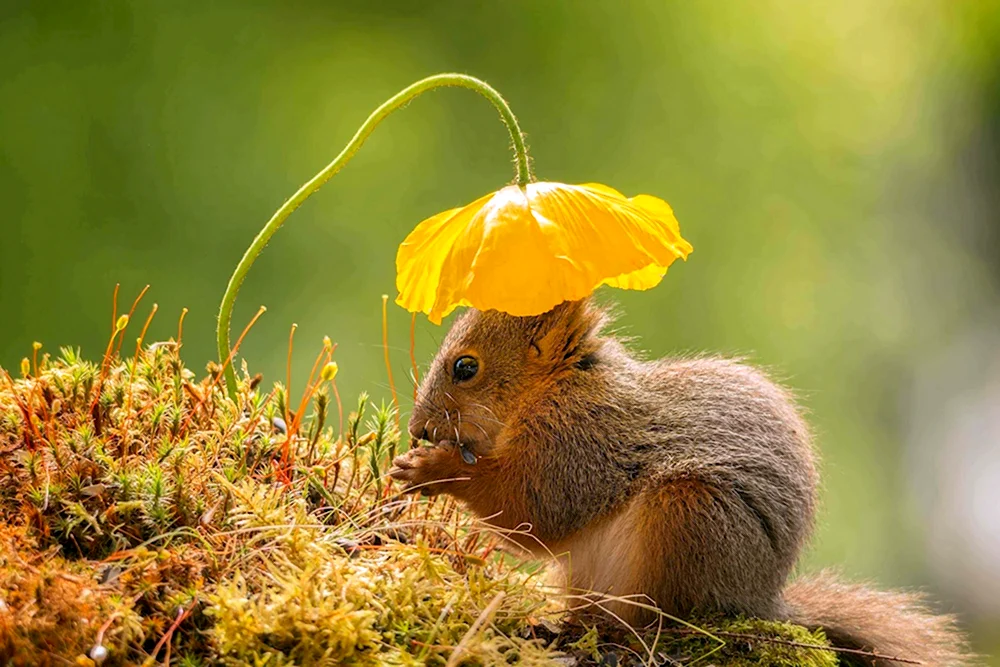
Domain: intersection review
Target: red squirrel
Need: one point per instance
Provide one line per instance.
(688, 482)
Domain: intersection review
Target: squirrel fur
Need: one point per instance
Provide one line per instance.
(686, 483)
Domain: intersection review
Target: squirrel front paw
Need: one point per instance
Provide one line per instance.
(428, 470)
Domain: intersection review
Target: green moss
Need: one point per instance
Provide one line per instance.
(143, 511)
(755, 642)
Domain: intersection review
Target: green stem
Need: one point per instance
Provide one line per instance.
(398, 100)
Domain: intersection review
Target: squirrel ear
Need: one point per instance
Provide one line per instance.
(566, 334)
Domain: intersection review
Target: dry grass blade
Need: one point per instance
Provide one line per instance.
(477, 625)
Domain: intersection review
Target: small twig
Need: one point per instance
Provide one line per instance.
(456, 656)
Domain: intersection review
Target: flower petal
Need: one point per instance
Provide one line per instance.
(600, 187)
(423, 252)
(525, 250)
(642, 279)
(661, 210)
(608, 234)
(523, 261)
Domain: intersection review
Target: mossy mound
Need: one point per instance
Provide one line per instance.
(149, 519)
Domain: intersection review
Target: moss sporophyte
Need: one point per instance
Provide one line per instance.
(521, 250)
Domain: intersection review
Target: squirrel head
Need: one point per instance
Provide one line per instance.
(491, 362)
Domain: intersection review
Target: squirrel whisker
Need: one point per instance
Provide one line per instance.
(488, 419)
(488, 409)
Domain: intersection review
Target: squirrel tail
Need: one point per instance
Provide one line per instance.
(891, 624)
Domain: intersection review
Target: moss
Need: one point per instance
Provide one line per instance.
(149, 517)
(747, 643)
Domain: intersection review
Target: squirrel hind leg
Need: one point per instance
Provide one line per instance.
(705, 550)
(682, 545)
(597, 570)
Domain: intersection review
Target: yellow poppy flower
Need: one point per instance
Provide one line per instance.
(525, 250)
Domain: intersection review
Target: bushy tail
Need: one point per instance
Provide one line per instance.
(889, 623)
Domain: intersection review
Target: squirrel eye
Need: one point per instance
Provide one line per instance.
(465, 368)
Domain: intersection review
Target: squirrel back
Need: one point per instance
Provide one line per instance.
(686, 483)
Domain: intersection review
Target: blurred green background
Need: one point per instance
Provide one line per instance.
(834, 165)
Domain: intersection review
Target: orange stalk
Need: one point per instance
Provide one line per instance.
(180, 327)
(385, 351)
(340, 408)
(290, 423)
(35, 347)
(131, 312)
(307, 395)
(288, 374)
(135, 362)
(168, 636)
(114, 306)
(24, 409)
(239, 341)
(145, 328)
(229, 359)
(413, 356)
(107, 351)
(322, 358)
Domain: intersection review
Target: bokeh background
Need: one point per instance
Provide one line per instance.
(834, 164)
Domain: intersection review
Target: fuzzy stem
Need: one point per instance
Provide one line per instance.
(400, 99)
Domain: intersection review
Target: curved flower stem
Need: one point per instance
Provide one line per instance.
(398, 100)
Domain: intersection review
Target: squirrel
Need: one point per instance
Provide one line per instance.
(689, 482)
